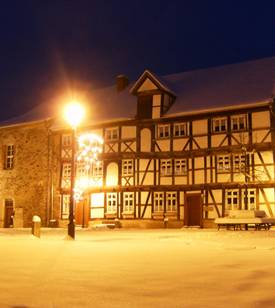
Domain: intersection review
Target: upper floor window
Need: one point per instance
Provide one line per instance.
(239, 162)
(180, 166)
(97, 169)
(128, 202)
(9, 156)
(111, 134)
(180, 129)
(66, 140)
(223, 163)
(163, 131)
(66, 175)
(219, 125)
(171, 201)
(81, 169)
(111, 202)
(238, 123)
(158, 201)
(166, 167)
(127, 167)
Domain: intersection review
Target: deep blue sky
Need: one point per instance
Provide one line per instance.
(47, 46)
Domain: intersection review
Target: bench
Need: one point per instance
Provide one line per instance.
(244, 219)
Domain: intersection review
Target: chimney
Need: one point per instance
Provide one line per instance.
(121, 82)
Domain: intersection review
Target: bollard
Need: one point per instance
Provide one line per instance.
(36, 224)
(165, 220)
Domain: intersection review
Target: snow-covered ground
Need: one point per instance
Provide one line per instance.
(137, 268)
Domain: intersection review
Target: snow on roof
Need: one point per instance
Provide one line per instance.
(215, 87)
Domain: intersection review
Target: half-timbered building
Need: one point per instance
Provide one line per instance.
(181, 149)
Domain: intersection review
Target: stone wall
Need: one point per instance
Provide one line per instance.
(27, 184)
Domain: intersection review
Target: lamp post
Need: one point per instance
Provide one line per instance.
(74, 114)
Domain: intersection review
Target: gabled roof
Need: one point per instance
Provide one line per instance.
(160, 84)
(216, 87)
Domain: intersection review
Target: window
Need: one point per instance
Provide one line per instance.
(81, 169)
(171, 201)
(219, 125)
(166, 167)
(111, 134)
(180, 166)
(249, 199)
(163, 131)
(66, 175)
(232, 199)
(223, 163)
(97, 169)
(128, 202)
(180, 129)
(239, 162)
(67, 140)
(65, 206)
(9, 157)
(111, 202)
(158, 201)
(127, 167)
(238, 123)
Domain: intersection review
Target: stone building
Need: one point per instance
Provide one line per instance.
(184, 148)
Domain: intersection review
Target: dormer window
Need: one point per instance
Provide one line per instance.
(238, 123)
(111, 134)
(180, 129)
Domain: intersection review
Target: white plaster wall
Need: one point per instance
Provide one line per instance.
(128, 132)
(164, 145)
(145, 140)
(217, 139)
(241, 137)
(259, 135)
(201, 141)
(112, 174)
(200, 127)
(260, 119)
(147, 85)
(179, 144)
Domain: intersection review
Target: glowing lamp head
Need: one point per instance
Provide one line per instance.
(74, 114)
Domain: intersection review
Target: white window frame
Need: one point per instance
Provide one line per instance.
(9, 157)
(158, 201)
(65, 206)
(232, 199)
(127, 167)
(128, 202)
(112, 203)
(163, 131)
(223, 164)
(180, 129)
(97, 169)
(171, 202)
(66, 175)
(66, 140)
(219, 125)
(111, 134)
(251, 198)
(166, 167)
(238, 123)
(180, 166)
(239, 162)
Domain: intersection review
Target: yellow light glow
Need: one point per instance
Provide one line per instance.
(74, 114)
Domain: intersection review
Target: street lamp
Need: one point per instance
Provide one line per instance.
(73, 113)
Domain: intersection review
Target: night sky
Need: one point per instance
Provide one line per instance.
(50, 46)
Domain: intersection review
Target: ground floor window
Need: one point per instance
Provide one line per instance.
(112, 202)
(249, 199)
(128, 202)
(232, 199)
(158, 202)
(65, 206)
(171, 201)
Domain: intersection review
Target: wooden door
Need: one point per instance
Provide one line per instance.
(193, 210)
(82, 213)
(8, 219)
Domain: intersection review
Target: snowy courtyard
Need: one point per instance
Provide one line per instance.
(137, 268)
